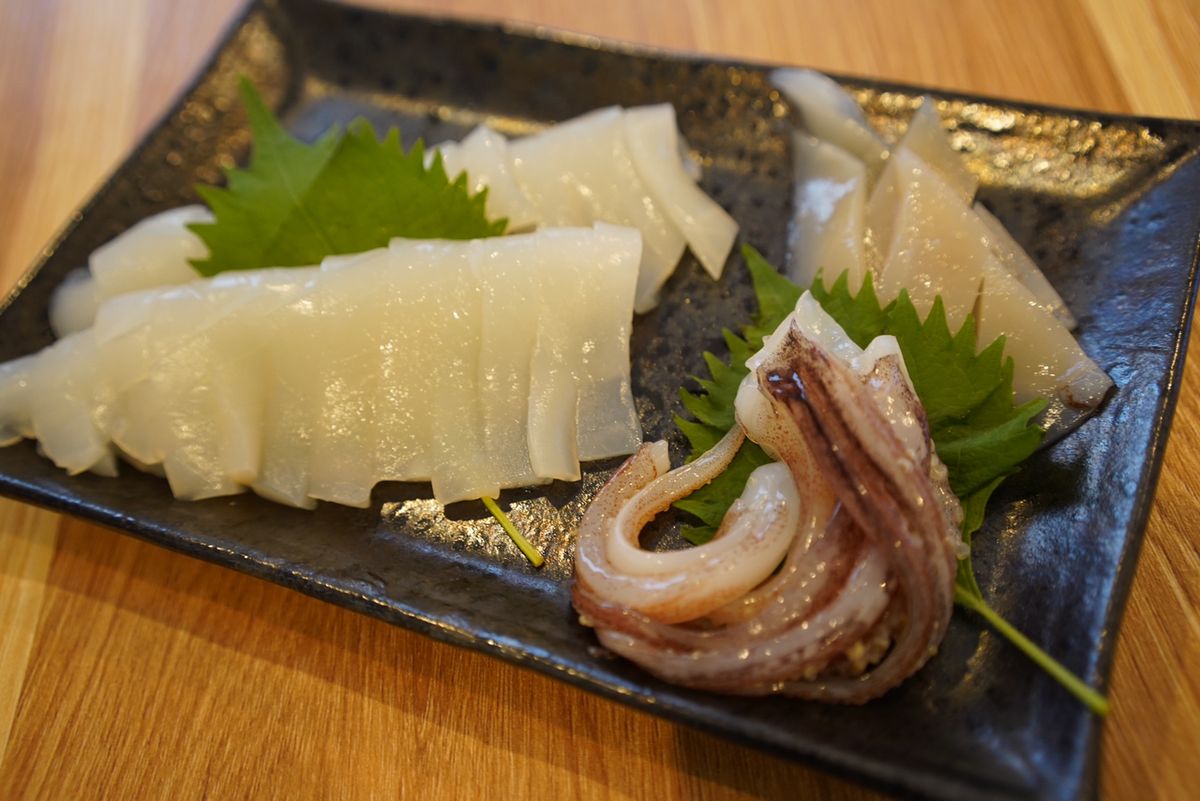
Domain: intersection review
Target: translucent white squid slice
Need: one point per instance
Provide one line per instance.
(240, 340)
(73, 304)
(450, 327)
(831, 114)
(1048, 362)
(291, 396)
(606, 419)
(155, 252)
(653, 141)
(553, 403)
(507, 272)
(829, 208)
(136, 330)
(926, 138)
(347, 311)
(404, 399)
(1018, 264)
(16, 421)
(239, 397)
(933, 248)
(66, 395)
(483, 154)
(581, 171)
(182, 385)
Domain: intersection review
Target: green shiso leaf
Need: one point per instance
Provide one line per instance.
(980, 435)
(297, 203)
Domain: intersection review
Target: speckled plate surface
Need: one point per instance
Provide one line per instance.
(1108, 206)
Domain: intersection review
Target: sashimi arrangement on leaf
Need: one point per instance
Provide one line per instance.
(348, 312)
(843, 455)
(362, 319)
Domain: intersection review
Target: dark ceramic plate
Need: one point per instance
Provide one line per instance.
(1108, 206)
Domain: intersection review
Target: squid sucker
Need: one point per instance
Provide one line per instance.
(832, 575)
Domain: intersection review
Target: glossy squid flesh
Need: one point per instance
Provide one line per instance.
(860, 598)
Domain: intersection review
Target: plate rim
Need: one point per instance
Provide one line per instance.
(881, 775)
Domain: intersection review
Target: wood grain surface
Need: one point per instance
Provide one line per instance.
(130, 672)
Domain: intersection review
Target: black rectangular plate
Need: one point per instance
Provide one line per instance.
(1108, 206)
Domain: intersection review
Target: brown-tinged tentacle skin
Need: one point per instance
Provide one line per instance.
(865, 589)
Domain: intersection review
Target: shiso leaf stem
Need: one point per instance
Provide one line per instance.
(1073, 684)
(531, 553)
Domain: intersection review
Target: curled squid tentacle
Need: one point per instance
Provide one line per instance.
(859, 596)
(677, 586)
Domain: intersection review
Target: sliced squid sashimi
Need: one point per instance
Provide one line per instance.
(403, 403)
(554, 168)
(553, 402)
(239, 395)
(451, 327)
(653, 141)
(926, 138)
(829, 207)
(581, 171)
(67, 395)
(182, 385)
(135, 331)
(580, 402)
(73, 304)
(276, 379)
(156, 252)
(830, 114)
(553, 405)
(606, 418)
(484, 155)
(347, 310)
(16, 422)
(1048, 362)
(942, 233)
(506, 270)
(932, 251)
(1018, 264)
(290, 399)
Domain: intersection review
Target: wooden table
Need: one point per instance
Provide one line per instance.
(130, 672)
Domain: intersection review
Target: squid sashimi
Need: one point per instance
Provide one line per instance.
(926, 139)
(483, 155)
(1016, 262)
(67, 399)
(831, 115)
(857, 509)
(941, 247)
(511, 302)
(316, 383)
(607, 424)
(345, 363)
(135, 332)
(653, 139)
(579, 375)
(402, 403)
(15, 412)
(451, 326)
(155, 252)
(925, 249)
(626, 167)
(1048, 362)
(828, 222)
(581, 171)
(924, 234)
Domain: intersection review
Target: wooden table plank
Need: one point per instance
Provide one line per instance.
(128, 671)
